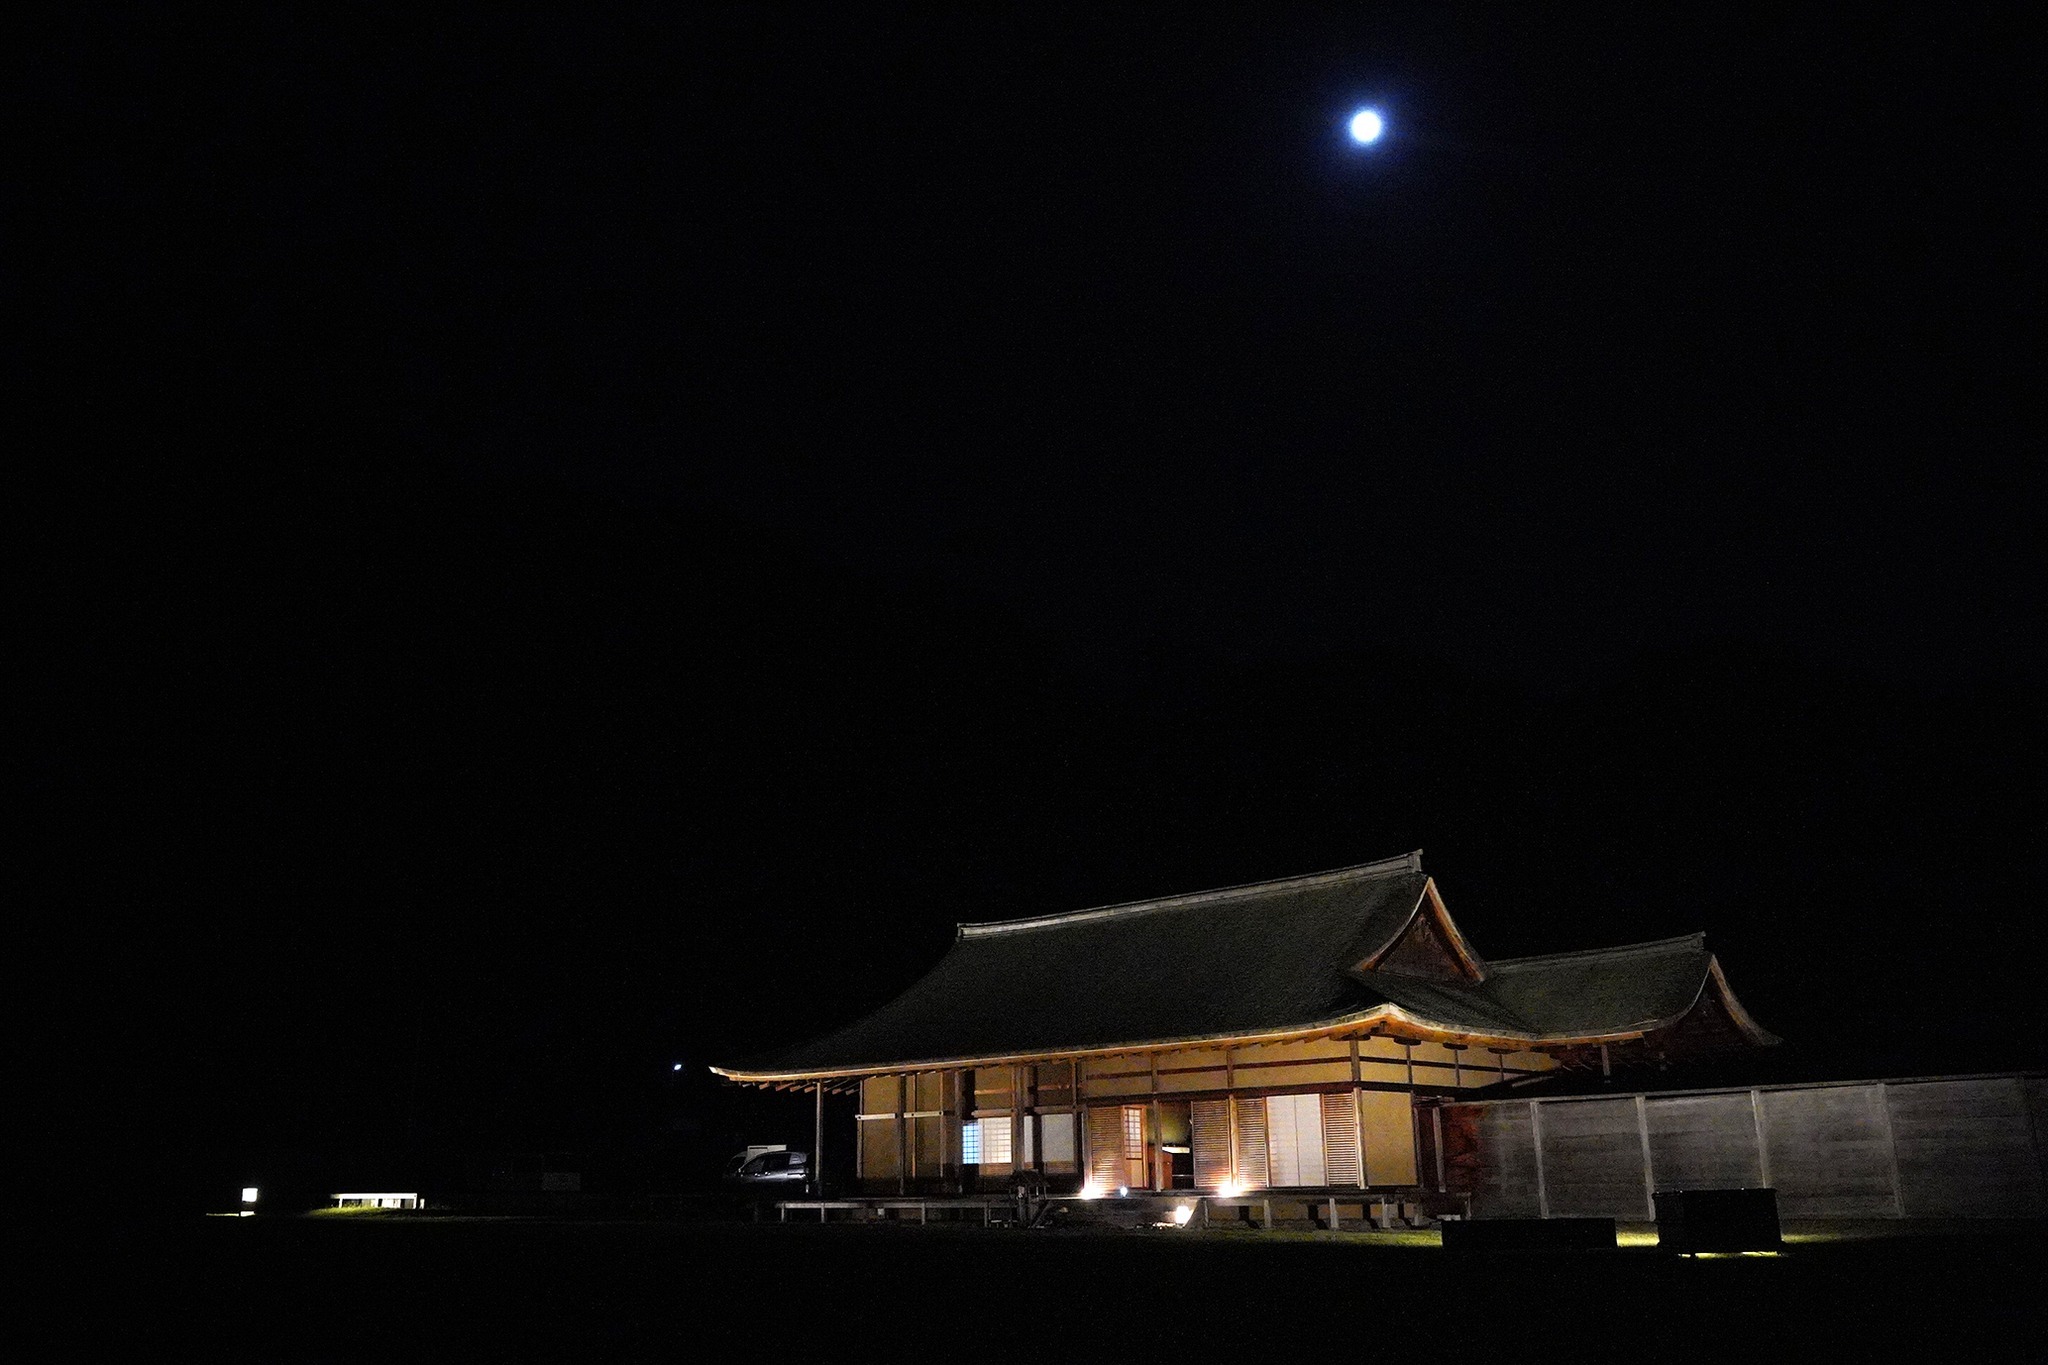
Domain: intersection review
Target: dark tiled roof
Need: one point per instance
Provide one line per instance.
(1267, 958)
(1602, 990)
(1562, 995)
(1241, 960)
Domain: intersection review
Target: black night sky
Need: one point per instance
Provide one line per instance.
(595, 540)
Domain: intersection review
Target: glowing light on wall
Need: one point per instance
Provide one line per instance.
(1181, 1214)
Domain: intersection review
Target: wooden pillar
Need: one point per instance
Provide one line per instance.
(1084, 1154)
(1230, 1112)
(1155, 1157)
(1763, 1150)
(1649, 1175)
(963, 1114)
(818, 1138)
(910, 1126)
(1358, 1134)
(1891, 1149)
(947, 1087)
(902, 1135)
(1414, 1143)
(1080, 1119)
(1034, 1113)
(1357, 1125)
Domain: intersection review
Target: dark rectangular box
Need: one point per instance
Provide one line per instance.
(1529, 1234)
(1717, 1220)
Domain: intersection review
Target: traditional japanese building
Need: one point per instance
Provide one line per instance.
(1294, 1034)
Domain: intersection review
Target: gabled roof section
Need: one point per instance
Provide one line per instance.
(1635, 986)
(1428, 946)
(1582, 996)
(1245, 959)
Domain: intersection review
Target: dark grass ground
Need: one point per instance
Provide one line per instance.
(370, 1289)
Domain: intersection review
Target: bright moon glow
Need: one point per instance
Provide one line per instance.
(1366, 126)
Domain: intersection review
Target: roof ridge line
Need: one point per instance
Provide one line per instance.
(1406, 862)
(1697, 935)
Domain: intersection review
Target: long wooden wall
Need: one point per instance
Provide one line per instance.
(1934, 1147)
(1297, 1066)
(1069, 1120)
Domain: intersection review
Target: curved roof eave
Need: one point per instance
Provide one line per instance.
(1279, 1034)
(1742, 1018)
(1434, 1029)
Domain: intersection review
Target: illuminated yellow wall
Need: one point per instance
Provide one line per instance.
(879, 1150)
(928, 1139)
(878, 1094)
(1387, 1127)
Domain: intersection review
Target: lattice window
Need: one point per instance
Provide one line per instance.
(995, 1142)
(1134, 1132)
(1294, 1139)
(970, 1143)
(1211, 1123)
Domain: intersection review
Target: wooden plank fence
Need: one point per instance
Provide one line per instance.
(1926, 1147)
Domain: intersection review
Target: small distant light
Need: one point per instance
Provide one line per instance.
(1181, 1214)
(677, 1067)
(248, 1194)
(1366, 126)
(1122, 1191)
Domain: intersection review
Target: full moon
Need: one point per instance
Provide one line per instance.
(1366, 126)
